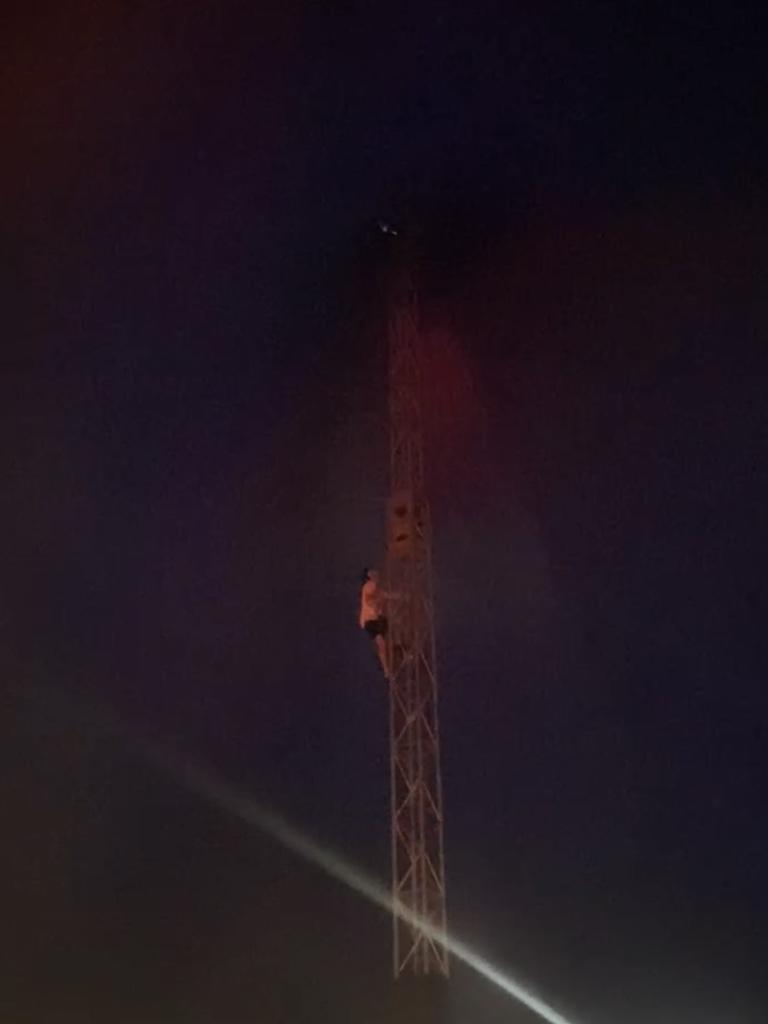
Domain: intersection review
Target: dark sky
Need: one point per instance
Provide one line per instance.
(194, 454)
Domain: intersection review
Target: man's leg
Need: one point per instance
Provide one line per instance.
(381, 648)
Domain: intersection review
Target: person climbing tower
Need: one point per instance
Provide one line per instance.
(372, 617)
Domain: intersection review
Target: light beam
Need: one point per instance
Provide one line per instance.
(240, 805)
(226, 797)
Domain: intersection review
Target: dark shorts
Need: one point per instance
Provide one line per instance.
(376, 627)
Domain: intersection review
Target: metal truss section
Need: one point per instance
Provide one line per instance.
(418, 875)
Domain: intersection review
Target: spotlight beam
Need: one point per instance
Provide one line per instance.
(220, 794)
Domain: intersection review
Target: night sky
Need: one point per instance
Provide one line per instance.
(194, 463)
